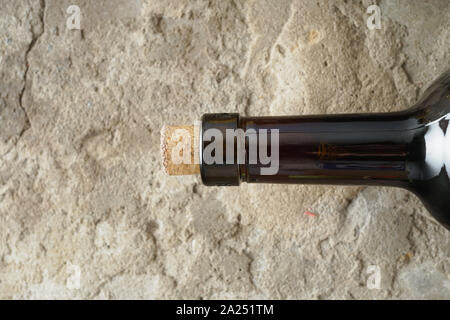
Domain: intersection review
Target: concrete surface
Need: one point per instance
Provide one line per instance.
(85, 208)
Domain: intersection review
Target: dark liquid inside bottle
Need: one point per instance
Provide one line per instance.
(408, 149)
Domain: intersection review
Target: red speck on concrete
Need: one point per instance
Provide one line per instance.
(309, 213)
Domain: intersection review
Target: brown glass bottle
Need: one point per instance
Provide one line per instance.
(408, 149)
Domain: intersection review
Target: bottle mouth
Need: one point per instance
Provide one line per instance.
(213, 172)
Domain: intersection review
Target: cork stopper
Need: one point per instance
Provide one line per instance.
(179, 150)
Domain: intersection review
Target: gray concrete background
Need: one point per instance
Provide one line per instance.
(82, 192)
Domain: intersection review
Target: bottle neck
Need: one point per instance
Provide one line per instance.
(347, 149)
(361, 149)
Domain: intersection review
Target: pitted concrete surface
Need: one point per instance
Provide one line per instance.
(86, 210)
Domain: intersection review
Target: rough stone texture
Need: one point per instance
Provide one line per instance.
(81, 183)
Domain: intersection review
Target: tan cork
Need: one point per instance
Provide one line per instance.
(179, 150)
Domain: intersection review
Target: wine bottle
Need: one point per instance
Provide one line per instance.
(408, 149)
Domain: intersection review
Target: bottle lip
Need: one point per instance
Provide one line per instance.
(218, 174)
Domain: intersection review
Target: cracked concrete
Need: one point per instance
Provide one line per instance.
(86, 210)
(35, 37)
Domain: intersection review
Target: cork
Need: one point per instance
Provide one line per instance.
(179, 150)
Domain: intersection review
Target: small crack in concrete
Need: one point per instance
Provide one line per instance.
(35, 38)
